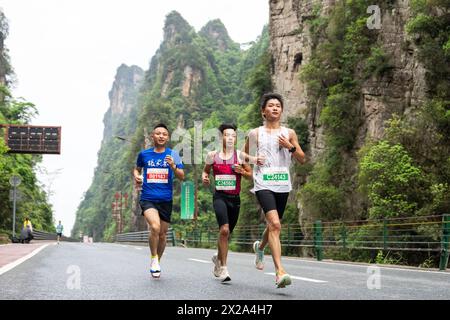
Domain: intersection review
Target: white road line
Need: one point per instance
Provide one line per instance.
(123, 246)
(350, 264)
(393, 268)
(14, 264)
(300, 278)
(137, 248)
(198, 260)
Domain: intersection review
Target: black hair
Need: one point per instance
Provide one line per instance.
(161, 125)
(225, 126)
(268, 96)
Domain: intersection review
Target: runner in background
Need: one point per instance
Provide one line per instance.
(59, 230)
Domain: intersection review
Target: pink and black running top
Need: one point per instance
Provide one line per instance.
(226, 180)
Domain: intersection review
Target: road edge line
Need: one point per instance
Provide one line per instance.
(19, 261)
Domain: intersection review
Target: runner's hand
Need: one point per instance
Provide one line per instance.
(284, 142)
(170, 161)
(238, 169)
(138, 179)
(205, 179)
(260, 160)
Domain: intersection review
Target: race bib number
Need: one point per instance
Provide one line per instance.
(225, 182)
(276, 176)
(158, 175)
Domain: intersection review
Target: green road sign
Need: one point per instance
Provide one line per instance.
(187, 200)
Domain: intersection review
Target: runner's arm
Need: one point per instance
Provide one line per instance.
(174, 162)
(299, 155)
(179, 173)
(243, 168)
(244, 155)
(247, 171)
(207, 168)
(137, 171)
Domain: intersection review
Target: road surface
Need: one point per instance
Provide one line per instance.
(116, 271)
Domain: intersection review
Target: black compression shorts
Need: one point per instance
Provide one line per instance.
(227, 208)
(270, 200)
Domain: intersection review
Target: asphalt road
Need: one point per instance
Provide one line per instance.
(115, 271)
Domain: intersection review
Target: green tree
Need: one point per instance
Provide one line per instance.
(390, 179)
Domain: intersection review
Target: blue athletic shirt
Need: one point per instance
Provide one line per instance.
(158, 176)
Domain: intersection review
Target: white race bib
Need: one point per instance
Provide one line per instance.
(157, 175)
(225, 182)
(276, 176)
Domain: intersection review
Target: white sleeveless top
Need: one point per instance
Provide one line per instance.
(274, 174)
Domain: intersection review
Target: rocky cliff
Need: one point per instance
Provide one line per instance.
(291, 48)
(123, 98)
(399, 89)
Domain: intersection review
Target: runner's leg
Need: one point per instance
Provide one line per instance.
(224, 235)
(162, 238)
(221, 211)
(274, 230)
(264, 239)
(154, 223)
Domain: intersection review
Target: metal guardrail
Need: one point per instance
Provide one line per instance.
(415, 234)
(142, 236)
(43, 235)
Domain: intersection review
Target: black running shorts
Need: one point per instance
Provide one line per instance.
(227, 208)
(270, 200)
(164, 208)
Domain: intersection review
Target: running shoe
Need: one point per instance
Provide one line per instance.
(216, 262)
(259, 258)
(283, 281)
(155, 268)
(224, 275)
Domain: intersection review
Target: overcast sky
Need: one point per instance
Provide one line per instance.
(65, 55)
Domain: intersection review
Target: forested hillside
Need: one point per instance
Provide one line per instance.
(34, 201)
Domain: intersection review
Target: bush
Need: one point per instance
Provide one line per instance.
(389, 178)
(322, 200)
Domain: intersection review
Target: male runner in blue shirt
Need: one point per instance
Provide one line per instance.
(155, 169)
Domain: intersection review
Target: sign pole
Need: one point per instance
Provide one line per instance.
(14, 181)
(14, 213)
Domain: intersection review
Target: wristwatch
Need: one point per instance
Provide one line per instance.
(292, 150)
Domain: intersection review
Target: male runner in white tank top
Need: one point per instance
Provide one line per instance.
(274, 147)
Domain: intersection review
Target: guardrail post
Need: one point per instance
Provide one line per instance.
(385, 234)
(318, 242)
(289, 234)
(174, 241)
(445, 242)
(344, 237)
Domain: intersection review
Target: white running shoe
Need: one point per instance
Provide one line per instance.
(155, 268)
(224, 275)
(259, 258)
(216, 262)
(283, 281)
